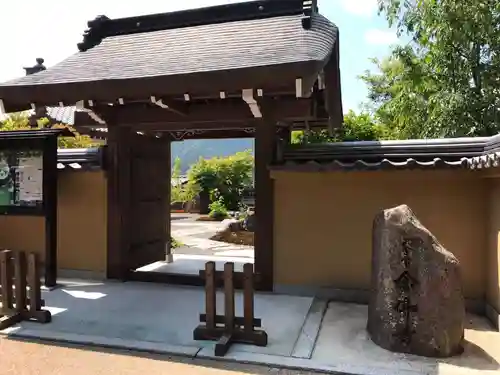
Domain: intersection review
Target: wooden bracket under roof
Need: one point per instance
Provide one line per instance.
(310, 7)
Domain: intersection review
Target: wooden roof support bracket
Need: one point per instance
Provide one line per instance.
(298, 88)
(94, 116)
(248, 97)
(321, 81)
(160, 103)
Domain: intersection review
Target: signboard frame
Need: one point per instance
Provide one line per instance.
(45, 142)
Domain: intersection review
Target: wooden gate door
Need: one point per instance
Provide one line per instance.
(149, 222)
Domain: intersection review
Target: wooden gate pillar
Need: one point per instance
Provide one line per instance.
(168, 192)
(265, 136)
(118, 185)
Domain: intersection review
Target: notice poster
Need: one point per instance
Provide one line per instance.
(21, 178)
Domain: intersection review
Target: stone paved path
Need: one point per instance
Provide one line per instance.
(195, 235)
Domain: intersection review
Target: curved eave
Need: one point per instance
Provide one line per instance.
(268, 78)
(268, 54)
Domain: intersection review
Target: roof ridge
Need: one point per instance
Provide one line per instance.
(102, 27)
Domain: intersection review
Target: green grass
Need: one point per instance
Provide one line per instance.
(175, 243)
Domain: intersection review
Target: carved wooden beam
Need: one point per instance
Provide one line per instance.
(222, 111)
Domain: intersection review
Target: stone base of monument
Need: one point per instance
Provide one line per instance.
(416, 305)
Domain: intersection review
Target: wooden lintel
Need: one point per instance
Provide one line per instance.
(289, 109)
(190, 126)
(180, 133)
(211, 134)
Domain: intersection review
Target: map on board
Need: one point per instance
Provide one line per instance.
(21, 178)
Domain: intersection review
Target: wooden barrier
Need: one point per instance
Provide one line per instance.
(20, 291)
(228, 328)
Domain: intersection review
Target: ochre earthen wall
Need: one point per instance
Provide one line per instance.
(82, 224)
(493, 254)
(323, 223)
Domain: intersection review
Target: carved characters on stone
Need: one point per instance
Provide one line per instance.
(416, 303)
(406, 284)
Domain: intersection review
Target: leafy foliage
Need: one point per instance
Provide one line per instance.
(445, 83)
(224, 178)
(176, 193)
(400, 92)
(357, 127)
(217, 210)
(189, 151)
(20, 121)
(175, 243)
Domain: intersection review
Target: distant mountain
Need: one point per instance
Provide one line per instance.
(190, 151)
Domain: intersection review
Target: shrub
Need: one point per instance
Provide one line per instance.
(224, 178)
(218, 211)
(174, 244)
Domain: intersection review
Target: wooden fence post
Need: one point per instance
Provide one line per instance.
(35, 311)
(248, 297)
(20, 280)
(18, 277)
(210, 295)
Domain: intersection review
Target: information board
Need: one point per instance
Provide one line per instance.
(21, 178)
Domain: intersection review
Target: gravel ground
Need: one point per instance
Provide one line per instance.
(33, 358)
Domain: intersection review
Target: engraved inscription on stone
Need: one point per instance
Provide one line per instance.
(406, 285)
(416, 303)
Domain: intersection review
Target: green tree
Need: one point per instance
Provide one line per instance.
(450, 69)
(356, 127)
(399, 93)
(179, 192)
(224, 178)
(20, 121)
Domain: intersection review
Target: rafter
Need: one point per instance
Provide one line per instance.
(93, 115)
(168, 105)
(249, 98)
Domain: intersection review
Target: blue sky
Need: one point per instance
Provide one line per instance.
(52, 28)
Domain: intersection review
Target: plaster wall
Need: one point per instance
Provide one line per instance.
(323, 223)
(82, 224)
(493, 254)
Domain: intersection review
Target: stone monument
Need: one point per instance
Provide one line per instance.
(416, 304)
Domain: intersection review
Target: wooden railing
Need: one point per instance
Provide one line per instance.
(20, 289)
